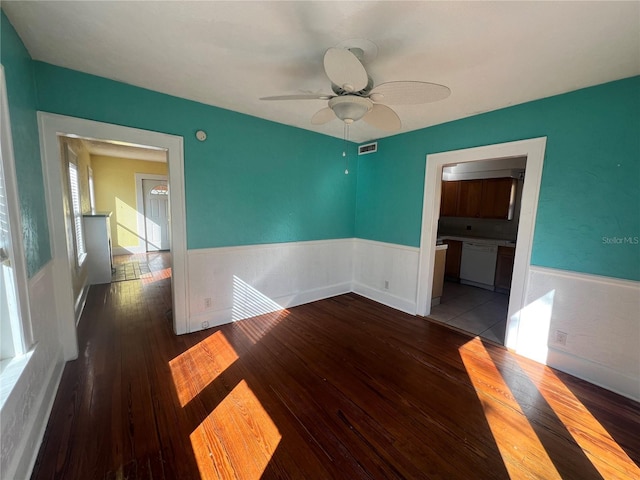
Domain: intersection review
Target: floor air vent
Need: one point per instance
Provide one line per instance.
(368, 148)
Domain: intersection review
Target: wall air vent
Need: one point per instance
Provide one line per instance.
(368, 148)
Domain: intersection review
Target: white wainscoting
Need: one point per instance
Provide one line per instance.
(600, 316)
(245, 281)
(376, 263)
(26, 410)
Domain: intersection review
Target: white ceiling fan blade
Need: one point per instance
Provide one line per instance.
(299, 97)
(408, 93)
(323, 116)
(382, 117)
(345, 70)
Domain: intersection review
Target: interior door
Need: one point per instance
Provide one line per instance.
(156, 213)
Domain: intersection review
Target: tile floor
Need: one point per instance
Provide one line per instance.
(473, 310)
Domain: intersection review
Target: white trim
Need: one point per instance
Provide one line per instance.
(141, 224)
(263, 246)
(127, 250)
(534, 150)
(81, 302)
(590, 277)
(216, 318)
(385, 298)
(17, 254)
(51, 125)
(389, 245)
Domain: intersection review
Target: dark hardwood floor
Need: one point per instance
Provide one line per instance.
(343, 388)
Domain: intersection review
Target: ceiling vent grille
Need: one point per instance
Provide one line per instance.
(368, 148)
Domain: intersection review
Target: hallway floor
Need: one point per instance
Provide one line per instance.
(474, 310)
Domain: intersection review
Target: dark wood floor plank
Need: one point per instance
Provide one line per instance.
(341, 388)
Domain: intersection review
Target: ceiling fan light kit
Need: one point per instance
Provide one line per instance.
(350, 108)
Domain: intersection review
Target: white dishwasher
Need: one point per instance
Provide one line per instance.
(478, 264)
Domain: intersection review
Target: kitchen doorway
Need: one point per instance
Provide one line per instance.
(533, 150)
(477, 228)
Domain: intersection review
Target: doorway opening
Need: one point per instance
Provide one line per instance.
(51, 127)
(477, 230)
(533, 151)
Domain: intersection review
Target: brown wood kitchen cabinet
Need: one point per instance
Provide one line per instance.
(488, 198)
(469, 198)
(452, 262)
(498, 195)
(449, 199)
(504, 268)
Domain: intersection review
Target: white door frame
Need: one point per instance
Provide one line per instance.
(141, 214)
(534, 150)
(52, 125)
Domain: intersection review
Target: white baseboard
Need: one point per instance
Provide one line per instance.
(214, 318)
(127, 250)
(385, 298)
(81, 301)
(595, 373)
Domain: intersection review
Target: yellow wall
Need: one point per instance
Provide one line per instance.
(115, 191)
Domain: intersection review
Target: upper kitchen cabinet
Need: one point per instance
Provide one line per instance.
(470, 198)
(449, 199)
(498, 196)
(487, 198)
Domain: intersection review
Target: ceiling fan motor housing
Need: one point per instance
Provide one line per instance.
(350, 108)
(338, 90)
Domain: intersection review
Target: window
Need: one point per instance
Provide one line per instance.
(160, 190)
(76, 208)
(16, 336)
(92, 192)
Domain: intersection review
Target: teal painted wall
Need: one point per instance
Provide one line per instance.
(22, 98)
(252, 181)
(590, 184)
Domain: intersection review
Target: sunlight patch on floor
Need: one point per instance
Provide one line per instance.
(505, 429)
(237, 440)
(155, 276)
(585, 429)
(196, 368)
(248, 303)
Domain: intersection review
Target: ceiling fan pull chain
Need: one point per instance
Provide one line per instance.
(345, 149)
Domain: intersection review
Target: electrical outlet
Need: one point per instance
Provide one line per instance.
(386, 284)
(207, 302)
(468, 227)
(205, 324)
(561, 337)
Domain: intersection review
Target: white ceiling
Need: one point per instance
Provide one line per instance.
(228, 54)
(124, 150)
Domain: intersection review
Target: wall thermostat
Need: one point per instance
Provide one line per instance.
(201, 135)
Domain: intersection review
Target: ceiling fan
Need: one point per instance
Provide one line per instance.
(356, 98)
